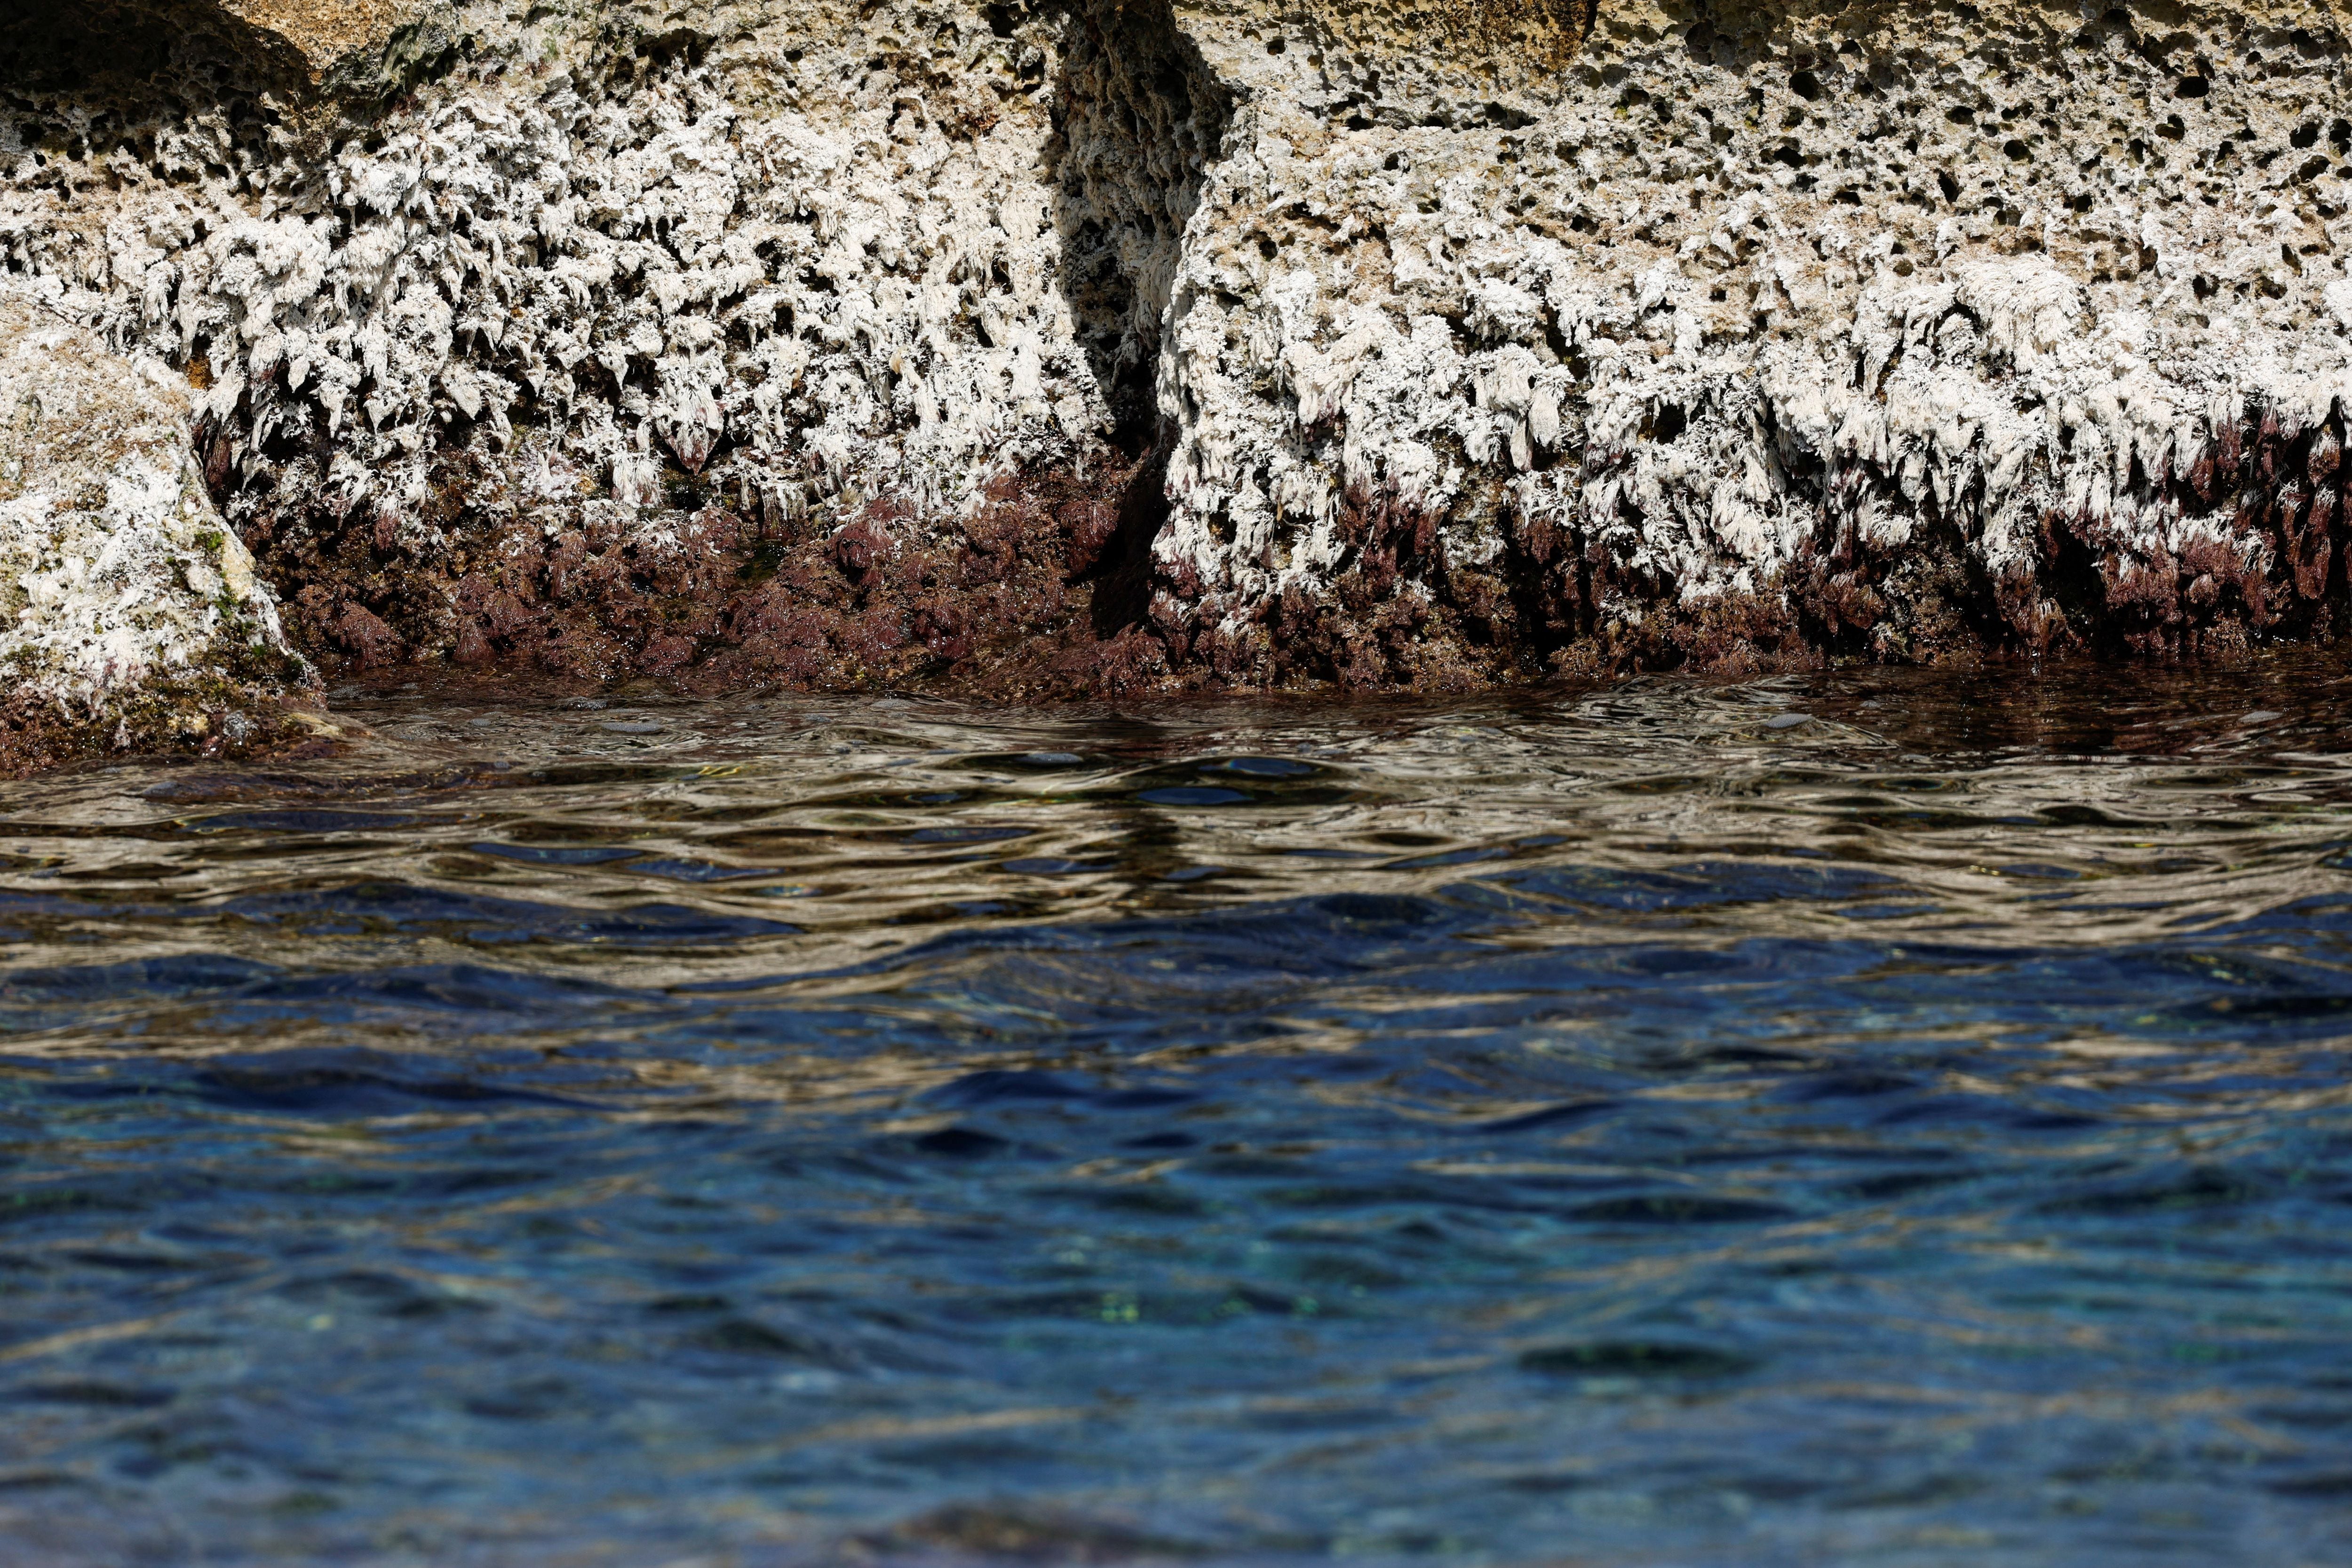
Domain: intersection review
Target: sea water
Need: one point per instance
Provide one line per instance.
(1880, 1117)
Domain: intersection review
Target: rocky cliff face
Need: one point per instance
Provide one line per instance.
(1101, 344)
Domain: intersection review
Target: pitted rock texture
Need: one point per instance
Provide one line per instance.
(1900, 331)
(1054, 347)
(128, 610)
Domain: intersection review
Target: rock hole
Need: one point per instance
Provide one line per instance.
(683, 47)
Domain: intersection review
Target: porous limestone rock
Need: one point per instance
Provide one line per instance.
(1897, 329)
(128, 610)
(1099, 344)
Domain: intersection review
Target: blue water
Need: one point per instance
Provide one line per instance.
(1878, 1118)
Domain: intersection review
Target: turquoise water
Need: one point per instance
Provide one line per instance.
(1877, 1118)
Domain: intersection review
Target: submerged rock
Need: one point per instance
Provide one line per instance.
(132, 616)
(1093, 345)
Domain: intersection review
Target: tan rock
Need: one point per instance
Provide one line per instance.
(111, 45)
(322, 33)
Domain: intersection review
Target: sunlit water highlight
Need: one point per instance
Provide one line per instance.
(1888, 1118)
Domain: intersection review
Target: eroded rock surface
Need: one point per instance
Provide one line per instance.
(1897, 330)
(129, 611)
(1088, 345)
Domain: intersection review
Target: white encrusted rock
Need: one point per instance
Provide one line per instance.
(128, 609)
(1757, 334)
(1896, 332)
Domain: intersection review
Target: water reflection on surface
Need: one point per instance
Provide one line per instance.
(1884, 1117)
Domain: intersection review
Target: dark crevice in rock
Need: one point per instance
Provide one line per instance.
(1121, 574)
(1136, 119)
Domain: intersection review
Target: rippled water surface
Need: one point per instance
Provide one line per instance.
(1888, 1118)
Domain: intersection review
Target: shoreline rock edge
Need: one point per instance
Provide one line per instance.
(1101, 348)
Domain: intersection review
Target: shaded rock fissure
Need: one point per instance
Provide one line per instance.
(1136, 118)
